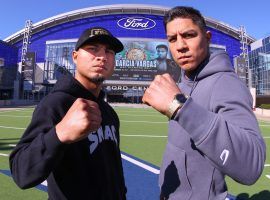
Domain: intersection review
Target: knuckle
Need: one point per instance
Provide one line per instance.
(157, 77)
(80, 103)
(79, 100)
(166, 75)
(148, 91)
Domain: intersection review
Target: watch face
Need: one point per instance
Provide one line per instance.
(181, 98)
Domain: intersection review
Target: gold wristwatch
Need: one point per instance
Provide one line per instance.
(176, 104)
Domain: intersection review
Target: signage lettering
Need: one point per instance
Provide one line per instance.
(136, 23)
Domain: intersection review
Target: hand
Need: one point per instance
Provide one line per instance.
(82, 118)
(161, 93)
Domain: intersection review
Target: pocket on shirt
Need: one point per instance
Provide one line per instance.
(173, 180)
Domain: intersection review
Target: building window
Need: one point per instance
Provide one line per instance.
(58, 59)
(2, 62)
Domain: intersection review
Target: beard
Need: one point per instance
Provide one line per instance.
(97, 79)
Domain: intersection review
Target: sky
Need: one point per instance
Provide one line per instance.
(253, 15)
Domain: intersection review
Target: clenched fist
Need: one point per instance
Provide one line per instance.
(161, 93)
(82, 118)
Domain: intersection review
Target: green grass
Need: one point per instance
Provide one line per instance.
(263, 184)
(134, 122)
(9, 190)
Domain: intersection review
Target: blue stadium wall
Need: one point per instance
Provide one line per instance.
(8, 69)
(9, 53)
(73, 29)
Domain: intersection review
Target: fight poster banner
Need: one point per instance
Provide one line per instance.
(29, 66)
(142, 60)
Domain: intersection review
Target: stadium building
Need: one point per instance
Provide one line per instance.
(42, 51)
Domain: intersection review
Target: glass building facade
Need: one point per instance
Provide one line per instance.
(8, 69)
(58, 59)
(259, 64)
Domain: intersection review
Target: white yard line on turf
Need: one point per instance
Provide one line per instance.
(267, 165)
(136, 111)
(11, 127)
(140, 164)
(150, 136)
(158, 136)
(268, 176)
(3, 154)
(150, 122)
(6, 111)
(12, 145)
(44, 183)
(14, 116)
(266, 122)
(146, 115)
(17, 110)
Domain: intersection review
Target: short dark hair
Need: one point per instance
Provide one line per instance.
(186, 13)
(162, 46)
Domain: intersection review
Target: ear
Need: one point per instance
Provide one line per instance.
(208, 35)
(74, 56)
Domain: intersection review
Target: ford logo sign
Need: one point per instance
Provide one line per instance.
(136, 23)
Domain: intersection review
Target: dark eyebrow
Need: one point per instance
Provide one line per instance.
(190, 31)
(170, 36)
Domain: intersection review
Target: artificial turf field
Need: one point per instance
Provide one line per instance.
(143, 135)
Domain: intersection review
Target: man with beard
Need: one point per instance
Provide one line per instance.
(73, 138)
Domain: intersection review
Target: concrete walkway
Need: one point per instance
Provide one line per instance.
(262, 118)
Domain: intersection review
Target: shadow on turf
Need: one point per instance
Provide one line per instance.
(5, 147)
(263, 195)
(10, 139)
(4, 144)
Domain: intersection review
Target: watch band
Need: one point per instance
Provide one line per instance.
(176, 104)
